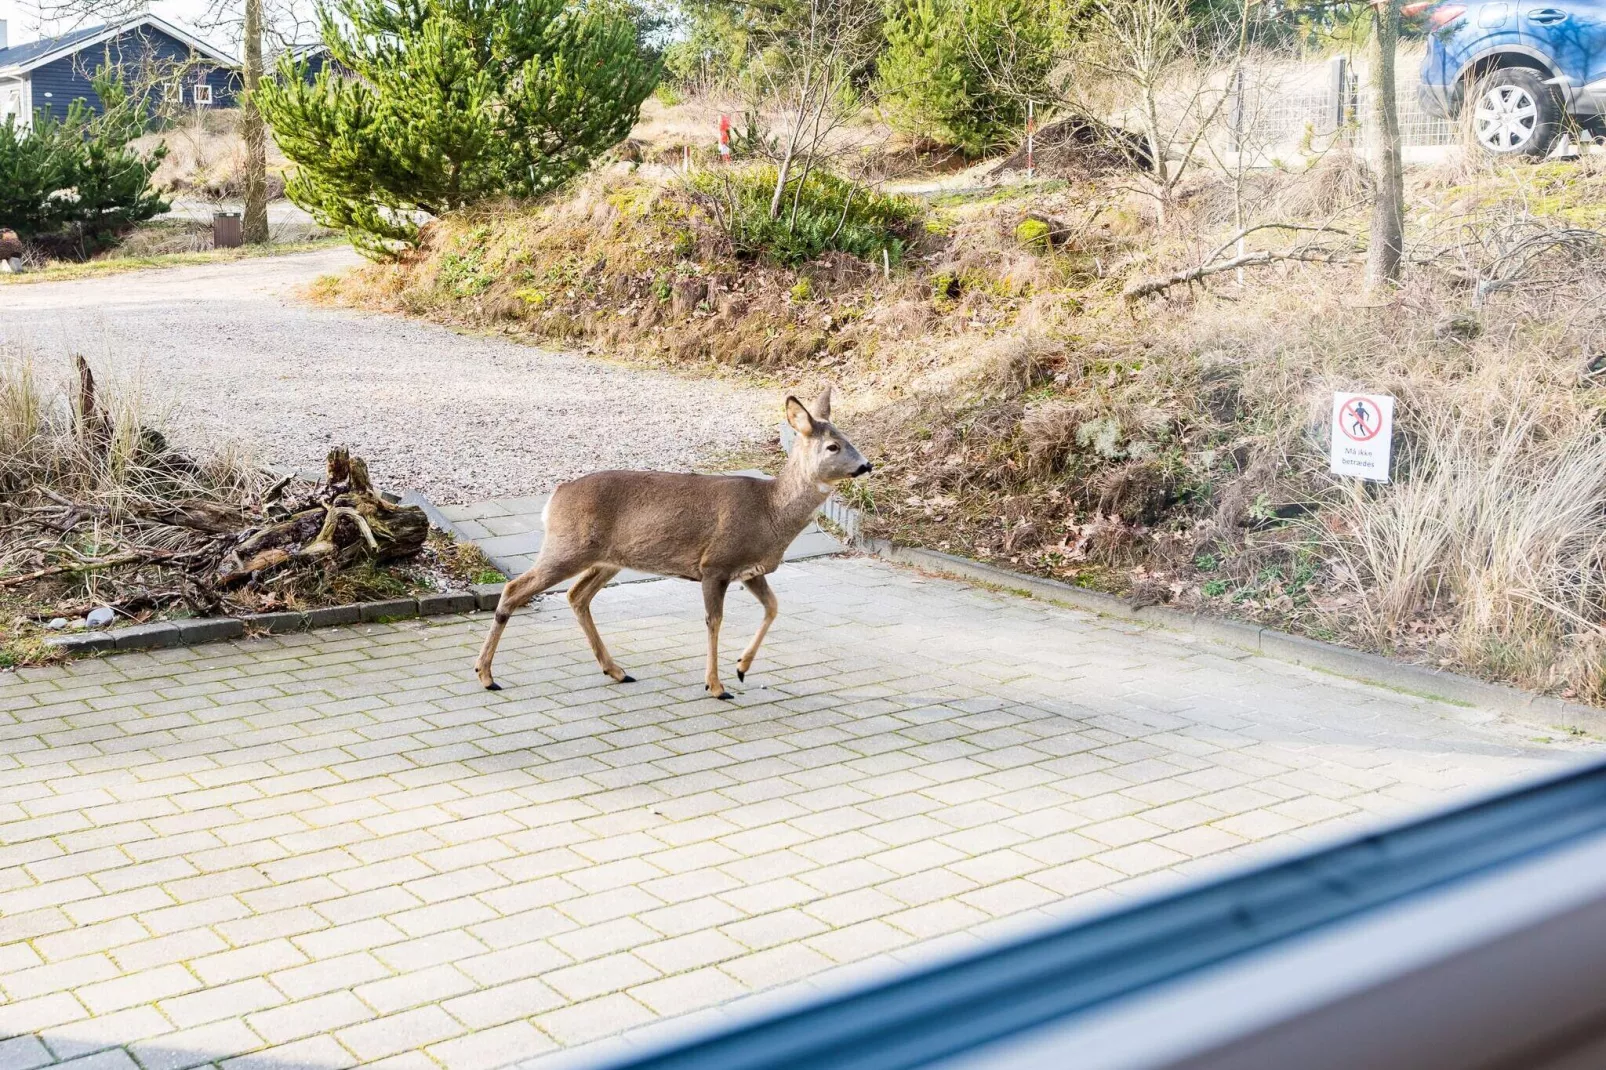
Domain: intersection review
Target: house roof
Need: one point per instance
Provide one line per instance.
(20, 59)
(19, 55)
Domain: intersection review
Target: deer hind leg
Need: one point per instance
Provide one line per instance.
(714, 588)
(759, 587)
(546, 572)
(584, 590)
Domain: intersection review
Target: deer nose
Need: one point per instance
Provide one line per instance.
(863, 468)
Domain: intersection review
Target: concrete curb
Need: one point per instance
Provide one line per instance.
(437, 519)
(171, 633)
(1540, 710)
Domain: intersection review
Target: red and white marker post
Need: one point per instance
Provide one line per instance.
(1031, 135)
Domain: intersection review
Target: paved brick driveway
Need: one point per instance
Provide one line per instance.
(332, 849)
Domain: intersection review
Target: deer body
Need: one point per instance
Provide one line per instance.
(714, 530)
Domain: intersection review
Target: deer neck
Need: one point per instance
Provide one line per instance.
(796, 496)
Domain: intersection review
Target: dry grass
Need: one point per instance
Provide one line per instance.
(49, 443)
(1493, 547)
(206, 156)
(76, 482)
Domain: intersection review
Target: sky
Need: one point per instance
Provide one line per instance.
(22, 18)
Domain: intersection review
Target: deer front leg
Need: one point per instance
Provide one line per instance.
(759, 587)
(714, 588)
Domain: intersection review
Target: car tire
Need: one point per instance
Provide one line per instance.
(1512, 112)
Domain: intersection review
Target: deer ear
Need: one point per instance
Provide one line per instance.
(822, 404)
(799, 417)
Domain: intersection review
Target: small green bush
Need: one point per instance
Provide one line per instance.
(819, 213)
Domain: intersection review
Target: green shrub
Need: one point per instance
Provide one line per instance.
(819, 213)
(939, 76)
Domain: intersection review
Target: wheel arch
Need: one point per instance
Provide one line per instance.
(1503, 56)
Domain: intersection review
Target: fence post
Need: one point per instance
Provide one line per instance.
(1353, 83)
(1237, 118)
(1339, 92)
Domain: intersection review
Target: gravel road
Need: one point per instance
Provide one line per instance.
(233, 356)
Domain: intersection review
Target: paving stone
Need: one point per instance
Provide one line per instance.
(84, 642)
(320, 848)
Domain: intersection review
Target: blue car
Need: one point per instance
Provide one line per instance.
(1517, 70)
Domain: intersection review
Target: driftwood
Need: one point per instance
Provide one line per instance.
(145, 557)
(346, 522)
(94, 426)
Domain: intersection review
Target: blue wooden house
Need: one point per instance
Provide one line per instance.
(174, 66)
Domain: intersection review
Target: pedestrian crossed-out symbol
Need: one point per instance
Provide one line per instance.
(1360, 419)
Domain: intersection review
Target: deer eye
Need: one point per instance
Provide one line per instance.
(831, 447)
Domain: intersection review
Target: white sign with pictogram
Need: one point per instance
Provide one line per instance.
(1363, 433)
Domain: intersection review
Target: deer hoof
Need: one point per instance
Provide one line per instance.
(493, 687)
(741, 675)
(726, 695)
(627, 679)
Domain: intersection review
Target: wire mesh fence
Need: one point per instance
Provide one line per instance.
(1281, 111)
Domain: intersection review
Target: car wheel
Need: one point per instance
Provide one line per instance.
(1514, 113)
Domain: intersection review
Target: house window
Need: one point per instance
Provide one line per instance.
(174, 93)
(203, 95)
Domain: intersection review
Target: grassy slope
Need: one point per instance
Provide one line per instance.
(1171, 450)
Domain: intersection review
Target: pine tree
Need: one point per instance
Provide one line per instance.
(431, 105)
(36, 163)
(958, 71)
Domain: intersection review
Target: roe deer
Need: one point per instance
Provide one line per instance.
(709, 529)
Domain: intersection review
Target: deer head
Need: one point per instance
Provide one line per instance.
(824, 454)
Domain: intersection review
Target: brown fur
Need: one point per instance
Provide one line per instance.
(714, 530)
